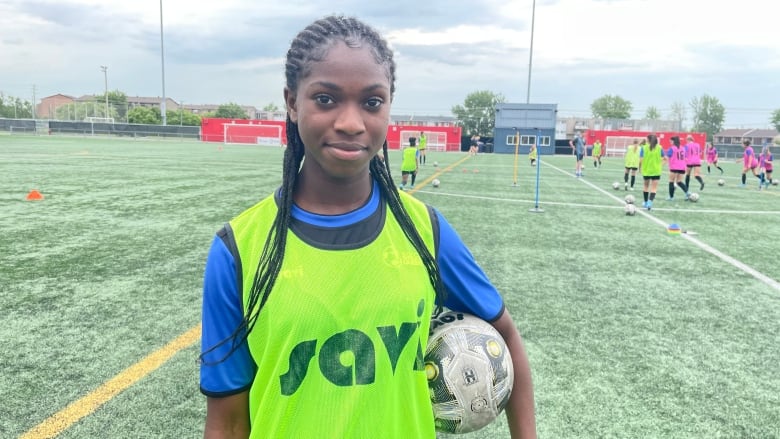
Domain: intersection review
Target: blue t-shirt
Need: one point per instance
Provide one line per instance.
(579, 145)
(468, 290)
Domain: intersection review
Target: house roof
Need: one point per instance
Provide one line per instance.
(58, 94)
(746, 132)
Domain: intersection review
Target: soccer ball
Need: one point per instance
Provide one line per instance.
(693, 197)
(435, 182)
(469, 370)
(776, 140)
(630, 209)
(615, 185)
(775, 182)
(435, 164)
(630, 199)
(721, 182)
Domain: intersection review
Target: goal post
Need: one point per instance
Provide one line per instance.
(435, 141)
(616, 145)
(247, 134)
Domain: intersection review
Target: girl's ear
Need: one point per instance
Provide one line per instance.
(292, 107)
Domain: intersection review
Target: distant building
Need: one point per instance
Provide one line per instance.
(425, 121)
(736, 136)
(567, 126)
(48, 106)
(518, 125)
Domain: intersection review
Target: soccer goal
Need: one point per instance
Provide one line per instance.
(435, 141)
(240, 133)
(616, 145)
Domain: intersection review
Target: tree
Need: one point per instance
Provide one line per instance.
(271, 107)
(477, 115)
(652, 113)
(144, 115)
(14, 108)
(611, 107)
(708, 115)
(116, 100)
(183, 117)
(231, 111)
(677, 113)
(775, 119)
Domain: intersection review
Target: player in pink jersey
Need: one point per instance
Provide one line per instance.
(693, 155)
(765, 164)
(749, 162)
(675, 156)
(712, 157)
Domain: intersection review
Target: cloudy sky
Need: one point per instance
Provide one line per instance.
(650, 52)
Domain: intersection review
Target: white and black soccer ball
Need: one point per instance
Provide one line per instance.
(630, 209)
(469, 370)
(435, 182)
(721, 182)
(435, 164)
(630, 199)
(615, 185)
(775, 182)
(693, 197)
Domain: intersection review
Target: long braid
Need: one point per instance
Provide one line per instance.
(309, 46)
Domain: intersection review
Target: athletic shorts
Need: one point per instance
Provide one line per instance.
(580, 156)
(675, 171)
(695, 166)
(632, 169)
(651, 177)
(408, 172)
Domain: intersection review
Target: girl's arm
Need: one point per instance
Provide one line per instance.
(228, 417)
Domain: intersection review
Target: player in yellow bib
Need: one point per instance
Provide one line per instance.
(409, 163)
(597, 153)
(317, 300)
(422, 147)
(631, 161)
(650, 162)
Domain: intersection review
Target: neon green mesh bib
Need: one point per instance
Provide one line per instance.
(339, 344)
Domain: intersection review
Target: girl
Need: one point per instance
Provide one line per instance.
(675, 156)
(631, 164)
(296, 277)
(765, 163)
(532, 155)
(712, 157)
(693, 155)
(650, 161)
(749, 162)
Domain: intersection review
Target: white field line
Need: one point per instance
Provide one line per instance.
(726, 258)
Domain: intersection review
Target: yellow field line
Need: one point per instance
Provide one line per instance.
(60, 421)
(438, 173)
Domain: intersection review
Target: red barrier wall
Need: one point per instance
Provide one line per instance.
(212, 130)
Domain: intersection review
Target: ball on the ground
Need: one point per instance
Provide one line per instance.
(775, 182)
(435, 182)
(630, 209)
(469, 370)
(616, 185)
(721, 182)
(630, 199)
(435, 164)
(694, 197)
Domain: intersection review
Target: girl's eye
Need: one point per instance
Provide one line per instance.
(374, 103)
(323, 99)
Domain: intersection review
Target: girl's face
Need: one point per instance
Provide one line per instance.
(342, 108)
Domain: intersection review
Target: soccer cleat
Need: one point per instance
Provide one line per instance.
(649, 205)
(687, 196)
(401, 187)
(644, 205)
(411, 187)
(625, 186)
(702, 187)
(670, 199)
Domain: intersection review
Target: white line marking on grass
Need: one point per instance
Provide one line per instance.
(724, 257)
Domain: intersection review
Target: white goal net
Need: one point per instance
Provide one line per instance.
(238, 133)
(616, 145)
(435, 141)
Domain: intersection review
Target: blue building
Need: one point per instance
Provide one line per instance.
(520, 124)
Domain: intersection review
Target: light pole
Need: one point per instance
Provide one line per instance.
(105, 79)
(162, 57)
(530, 54)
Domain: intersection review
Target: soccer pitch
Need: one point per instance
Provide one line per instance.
(630, 331)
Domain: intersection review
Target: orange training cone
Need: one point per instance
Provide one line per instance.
(34, 195)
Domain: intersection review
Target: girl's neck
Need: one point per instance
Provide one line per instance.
(332, 197)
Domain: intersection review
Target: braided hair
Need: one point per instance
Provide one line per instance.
(311, 45)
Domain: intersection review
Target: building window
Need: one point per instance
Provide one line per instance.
(510, 140)
(527, 140)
